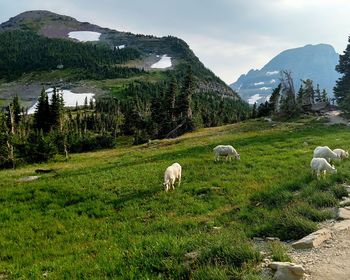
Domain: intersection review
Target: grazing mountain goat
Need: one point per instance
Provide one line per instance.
(341, 153)
(225, 150)
(319, 165)
(172, 173)
(326, 153)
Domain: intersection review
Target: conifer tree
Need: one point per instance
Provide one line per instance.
(318, 97)
(274, 99)
(169, 122)
(342, 88)
(56, 110)
(324, 97)
(185, 101)
(254, 111)
(42, 112)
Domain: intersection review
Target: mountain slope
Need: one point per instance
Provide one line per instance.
(315, 62)
(151, 48)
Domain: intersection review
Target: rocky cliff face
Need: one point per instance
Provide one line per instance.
(315, 62)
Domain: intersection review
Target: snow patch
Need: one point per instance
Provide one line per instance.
(259, 84)
(164, 62)
(265, 88)
(70, 99)
(254, 98)
(271, 73)
(85, 36)
(267, 98)
(272, 81)
(119, 47)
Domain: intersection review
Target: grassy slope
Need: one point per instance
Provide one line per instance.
(105, 214)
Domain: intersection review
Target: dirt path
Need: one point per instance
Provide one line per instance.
(331, 261)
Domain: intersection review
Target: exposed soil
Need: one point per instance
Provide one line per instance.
(331, 261)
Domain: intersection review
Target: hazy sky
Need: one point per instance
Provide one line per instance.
(229, 36)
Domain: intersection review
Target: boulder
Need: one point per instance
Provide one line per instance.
(345, 202)
(313, 240)
(344, 213)
(287, 271)
(28, 179)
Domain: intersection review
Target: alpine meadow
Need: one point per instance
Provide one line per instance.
(122, 156)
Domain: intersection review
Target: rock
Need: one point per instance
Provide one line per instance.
(344, 213)
(343, 225)
(313, 240)
(258, 239)
(28, 179)
(287, 271)
(272, 239)
(345, 202)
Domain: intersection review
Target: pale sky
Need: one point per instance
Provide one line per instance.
(229, 36)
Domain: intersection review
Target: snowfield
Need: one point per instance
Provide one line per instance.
(164, 62)
(254, 98)
(259, 84)
(85, 36)
(271, 73)
(70, 99)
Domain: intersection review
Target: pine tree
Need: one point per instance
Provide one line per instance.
(342, 88)
(324, 96)
(42, 113)
(86, 103)
(308, 92)
(318, 97)
(274, 99)
(56, 110)
(287, 100)
(169, 122)
(300, 96)
(185, 101)
(254, 111)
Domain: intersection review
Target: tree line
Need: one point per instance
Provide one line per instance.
(24, 52)
(284, 101)
(145, 111)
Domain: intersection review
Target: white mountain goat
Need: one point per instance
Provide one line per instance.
(319, 165)
(172, 173)
(326, 153)
(225, 151)
(341, 153)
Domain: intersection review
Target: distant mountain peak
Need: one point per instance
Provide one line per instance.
(315, 62)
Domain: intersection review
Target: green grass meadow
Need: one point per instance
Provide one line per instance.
(105, 215)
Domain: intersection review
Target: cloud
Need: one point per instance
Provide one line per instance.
(230, 37)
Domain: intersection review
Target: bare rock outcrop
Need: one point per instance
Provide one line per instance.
(287, 271)
(313, 240)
